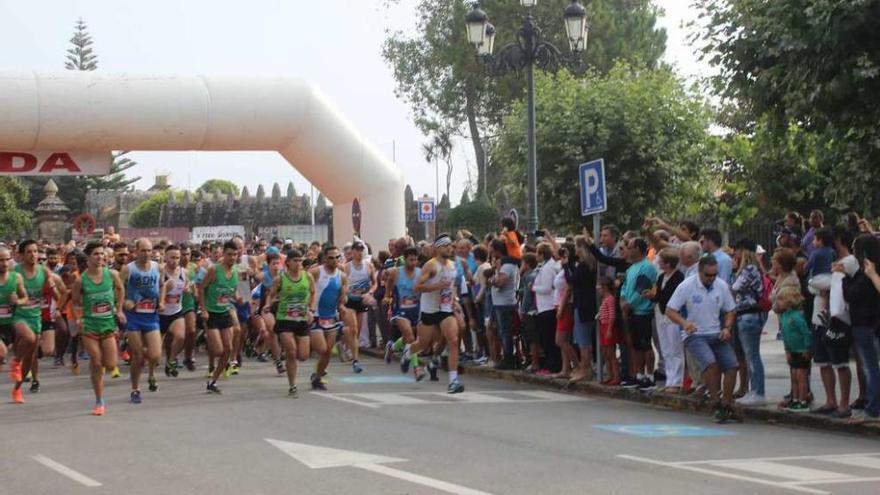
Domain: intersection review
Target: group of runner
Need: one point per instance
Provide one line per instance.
(140, 304)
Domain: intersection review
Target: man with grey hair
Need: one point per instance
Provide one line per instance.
(689, 256)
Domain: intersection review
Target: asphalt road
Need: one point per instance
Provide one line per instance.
(496, 438)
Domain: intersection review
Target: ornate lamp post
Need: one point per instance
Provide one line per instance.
(529, 50)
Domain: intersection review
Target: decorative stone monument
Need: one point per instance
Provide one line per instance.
(51, 215)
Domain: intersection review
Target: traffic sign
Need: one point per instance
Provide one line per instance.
(84, 224)
(593, 192)
(427, 209)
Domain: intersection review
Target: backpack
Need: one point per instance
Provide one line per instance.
(767, 287)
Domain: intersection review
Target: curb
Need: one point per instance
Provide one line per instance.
(768, 414)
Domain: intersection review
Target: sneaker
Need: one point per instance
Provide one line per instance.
(212, 388)
(16, 396)
(29, 376)
(404, 364)
(15, 371)
(629, 383)
(857, 405)
(356, 367)
(645, 384)
(718, 413)
(613, 383)
(455, 387)
(35, 386)
(171, 370)
(432, 370)
(279, 367)
(234, 368)
(317, 382)
(825, 410)
(261, 358)
(58, 362)
(115, 373)
(189, 364)
(98, 410)
(293, 393)
(125, 357)
(74, 368)
(135, 397)
(797, 406)
(419, 372)
(752, 399)
(731, 416)
(389, 352)
(153, 384)
(482, 360)
(659, 376)
(838, 414)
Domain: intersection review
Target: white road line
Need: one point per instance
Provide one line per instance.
(339, 397)
(862, 461)
(790, 458)
(850, 480)
(420, 480)
(780, 470)
(66, 471)
(392, 399)
(678, 465)
(375, 400)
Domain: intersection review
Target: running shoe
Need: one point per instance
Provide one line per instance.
(35, 386)
(171, 370)
(16, 396)
(135, 397)
(125, 357)
(293, 393)
(279, 367)
(629, 383)
(718, 413)
(212, 388)
(645, 384)
(731, 416)
(455, 387)
(189, 364)
(261, 358)
(356, 367)
(115, 373)
(432, 370)
(234, 367)
(797, 406)
(176, 364)
(420, 373)
(98, 410)
(404, 364)
(29, 376)
(59, 361)
(15, 370)
(318, 382)
(153, 383)
(389, 352)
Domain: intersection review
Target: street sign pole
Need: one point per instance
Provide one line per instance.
(597, 222)
(593, 194)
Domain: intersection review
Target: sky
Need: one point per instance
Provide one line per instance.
(335, 44)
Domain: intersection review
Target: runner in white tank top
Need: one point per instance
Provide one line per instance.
(171, 320)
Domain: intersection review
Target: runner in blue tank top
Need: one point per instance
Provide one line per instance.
(331, 285)
(401, 284)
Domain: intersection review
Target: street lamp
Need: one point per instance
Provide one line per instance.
(529, 50)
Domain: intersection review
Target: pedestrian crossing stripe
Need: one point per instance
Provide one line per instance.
(666, 430)
(795, 473)
(375, 400)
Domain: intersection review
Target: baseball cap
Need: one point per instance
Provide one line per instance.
(273, 250)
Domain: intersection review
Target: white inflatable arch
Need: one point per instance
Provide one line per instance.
(88, 111)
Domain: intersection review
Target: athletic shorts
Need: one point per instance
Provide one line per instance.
(244, 312)
(566, 323)
(47, 325)
(34, 324)
(298, 328)
(640, 331)
(708, 350)
(165, 321)
(99, 336)
(7, 334)
(357, 306)
(799, 361)
(140, 322)
(332, 324)
(411, 314)
(831, 345)
(435, 318)
(219, 321)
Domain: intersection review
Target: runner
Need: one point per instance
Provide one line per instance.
(12, 293)
(436, 285)
(401, 292)
(99, 292)
(171, 320)
(216, 295)
(246, 266)
(269, 272)
(361, 287)
(26, 318)
(52, 300)
(331, 286)
(188, 306)
(294, 291)
(144, 299)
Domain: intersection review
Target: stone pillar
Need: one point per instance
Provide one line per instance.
(51, 215)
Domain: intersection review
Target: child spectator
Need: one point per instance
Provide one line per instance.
(797, 340)
(607, 333)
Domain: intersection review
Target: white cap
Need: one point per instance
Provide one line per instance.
(760, 250)
(288, 241)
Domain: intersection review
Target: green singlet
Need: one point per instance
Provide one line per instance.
(221, 292)
(99, 304)
(293, 298)
(30, 312)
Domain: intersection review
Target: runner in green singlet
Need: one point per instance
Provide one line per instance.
(216, 295)
(11, 293)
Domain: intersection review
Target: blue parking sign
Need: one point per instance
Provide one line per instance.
(427, 210)
(592, 181)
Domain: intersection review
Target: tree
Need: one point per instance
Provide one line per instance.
(13, 220)
(651, 132)
(438, 74)
(218, 186)
(809, 69)
(147, 213)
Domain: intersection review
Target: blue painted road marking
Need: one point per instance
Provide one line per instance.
(377, 379)
(666, 430)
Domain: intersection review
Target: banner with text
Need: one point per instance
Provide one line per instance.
(220, 233)
(296, 233)
(49, 163)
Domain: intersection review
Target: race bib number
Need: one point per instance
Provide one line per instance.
(145, 306)
(5, 311)
(296, 312)
(33, 303)
(446, 297)
(101, 309)
(223, 299)
(326, 322)
(172, 299)
(409, 302)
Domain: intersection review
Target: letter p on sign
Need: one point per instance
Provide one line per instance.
(592, 185)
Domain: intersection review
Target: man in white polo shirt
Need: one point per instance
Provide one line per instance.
(698, 306)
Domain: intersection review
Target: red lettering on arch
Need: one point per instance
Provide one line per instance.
(17, 163)
(60, 161)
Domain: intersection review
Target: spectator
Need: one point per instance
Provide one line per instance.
(689, 255)
(528, 311)
(704, 297)
(796, 337)
(671, 346)
(580, 275)
(481, 289)
(748, 288)
(817, 221)
(504, 284)
(783, 265)
(640, 276)
(710, 239)
(608, 332)
(609, 247)
(545, 303)
(564, 316)
(513, 239)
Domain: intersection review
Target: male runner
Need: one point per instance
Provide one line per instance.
(171, 320)
(26, 319)
(331, 286)
(247, 267)
(400, 290)
(12, 293)
(217, 292)
(144, 298)
(51, 301)
(361, 287)
(436, 285)
(270, 272)
(99, 292)
(188, 306)
(294, 291)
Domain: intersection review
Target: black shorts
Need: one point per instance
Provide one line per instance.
(530, 329)
(640, 331)
(435, 318)
(165, 321)
(219, 321)
(799, 361)
(356, 306)
(298, 328)
(48, 325)
(831, 345)
(7, 334)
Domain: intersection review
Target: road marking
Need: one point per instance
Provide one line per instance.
(316, 457)
(375, 379)
(66, 471)
(376, 400)
(665, 430)
(864, 461)
(779, 470)
(787, 458)
(722, 474)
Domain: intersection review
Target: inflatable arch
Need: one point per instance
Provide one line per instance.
(88, 111)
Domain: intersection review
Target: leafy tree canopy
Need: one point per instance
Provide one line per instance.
(13, 220)
(218, 186)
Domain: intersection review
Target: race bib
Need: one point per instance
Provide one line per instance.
(33, 303)
(409, 302)
(326, 322)
(101, 309)
(296, 312)
(145, 306)
(223, 299)
(172, 299)
(446, 297)
(5, 311)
